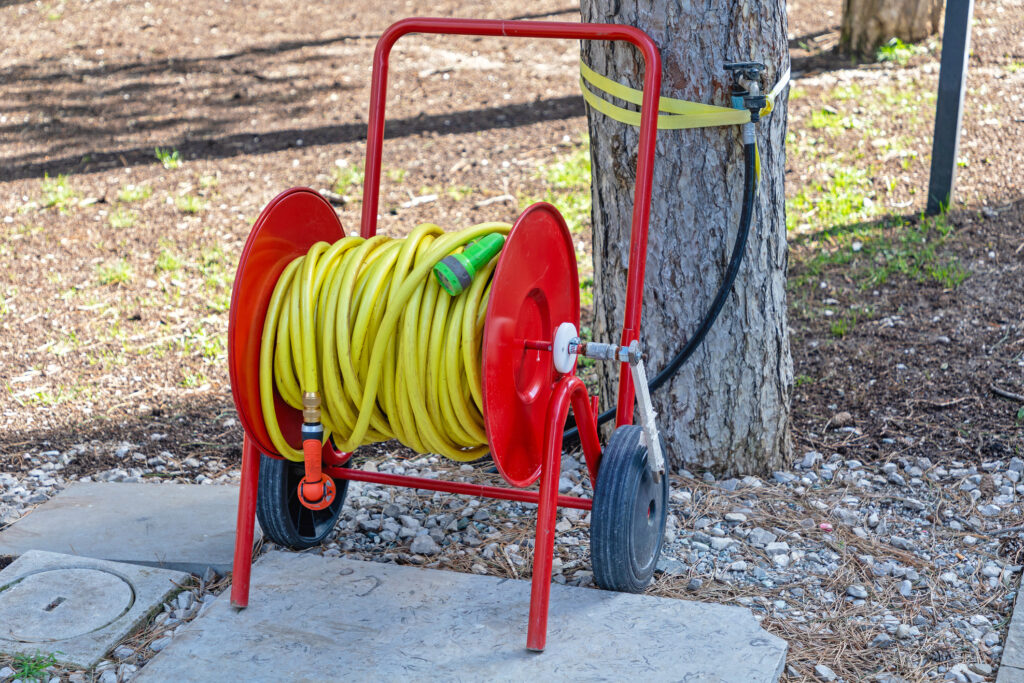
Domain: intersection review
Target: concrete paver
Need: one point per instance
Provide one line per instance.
(75, 607)
(1011, 666)
(176, 526)
(316, 618)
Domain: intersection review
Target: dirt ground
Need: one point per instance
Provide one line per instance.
(116, 266)
(926, 364)
(114, 302)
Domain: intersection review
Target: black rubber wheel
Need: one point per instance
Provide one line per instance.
(627, 523)
(282, 517)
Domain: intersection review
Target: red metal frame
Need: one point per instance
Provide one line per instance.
(569, 389)
(245, 527)
(645, 157)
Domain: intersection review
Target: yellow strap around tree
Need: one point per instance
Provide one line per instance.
(679, 114)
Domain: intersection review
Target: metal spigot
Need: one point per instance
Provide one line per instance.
(746, 87)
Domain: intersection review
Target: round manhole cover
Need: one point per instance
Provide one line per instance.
(58, 604)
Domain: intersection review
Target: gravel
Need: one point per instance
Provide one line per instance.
(824, 673)
(857, 592)
(912, 559)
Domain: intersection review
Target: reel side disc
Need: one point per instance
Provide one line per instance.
(290, 224)
(535, 290)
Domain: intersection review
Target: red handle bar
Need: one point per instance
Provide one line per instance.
(537, 29)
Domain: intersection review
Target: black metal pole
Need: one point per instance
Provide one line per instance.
(956, 46)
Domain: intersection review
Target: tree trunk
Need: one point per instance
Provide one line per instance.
(867, 24)
(727, 409)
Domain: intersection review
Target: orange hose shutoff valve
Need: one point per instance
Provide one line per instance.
(316, 489)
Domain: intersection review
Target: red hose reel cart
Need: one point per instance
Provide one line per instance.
(528, 363)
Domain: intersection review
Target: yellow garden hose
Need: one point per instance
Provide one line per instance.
(364, 324)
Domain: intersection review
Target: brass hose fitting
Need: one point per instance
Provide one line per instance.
(311, 407)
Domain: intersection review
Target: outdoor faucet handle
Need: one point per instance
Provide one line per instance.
(750, 70)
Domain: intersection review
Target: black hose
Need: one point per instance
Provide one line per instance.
(746, 217)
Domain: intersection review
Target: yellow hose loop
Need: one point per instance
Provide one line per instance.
(364, 323)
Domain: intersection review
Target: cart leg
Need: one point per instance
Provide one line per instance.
(245, 526)
(569, 388)
(544, 543)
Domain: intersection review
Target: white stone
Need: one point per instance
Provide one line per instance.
(719, 543)
(424, 545)
(824, 673)
(160, 643)
(759, 537)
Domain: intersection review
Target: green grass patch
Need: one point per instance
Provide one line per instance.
(134, 193)
(825, 119)
(849, 91)
(219, 303)
(568, 181)
(33, 667)
(897, 51)
(190, 203)
(58, 194)
(842, 326)
(346, 176)
(170, 158)
(571, 172)
(167, 261)
(843, 199)
(192, 380)
(871, 253)
(122, 218)
(114, 273)
(217, 269)
(6, 296)
(459, 192)
(587, 291)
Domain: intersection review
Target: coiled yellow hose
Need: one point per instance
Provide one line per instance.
(364, 323)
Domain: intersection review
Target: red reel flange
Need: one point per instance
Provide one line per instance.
(290, 224)
(535, 289)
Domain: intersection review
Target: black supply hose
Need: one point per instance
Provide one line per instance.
(746, 217)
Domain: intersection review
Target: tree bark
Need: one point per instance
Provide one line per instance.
(867, 24)
(727, 409)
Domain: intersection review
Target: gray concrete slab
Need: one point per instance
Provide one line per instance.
(1011, 666)
(76, 608)
(175, 526)
(312, 618)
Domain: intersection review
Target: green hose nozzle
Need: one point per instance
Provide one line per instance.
(455, 272)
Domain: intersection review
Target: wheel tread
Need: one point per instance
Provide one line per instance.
(272, 506)
(622, 466)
